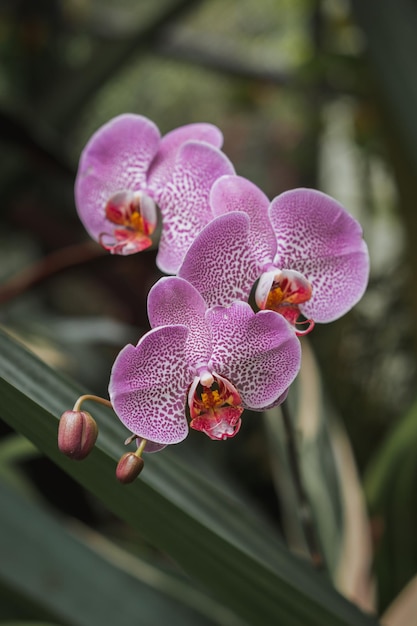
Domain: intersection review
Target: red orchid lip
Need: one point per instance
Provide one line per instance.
(216, 409)
(134, 218)
(283, 291)
(124, 241)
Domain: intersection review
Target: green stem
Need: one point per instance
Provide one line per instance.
(306, 517)
(141, 447)
(97, 399)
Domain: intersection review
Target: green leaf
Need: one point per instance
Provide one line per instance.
(18, 623)
(13, 449)
(316, 461)
(204, 528)
(390, 482)
(44, 562)
(330, 478)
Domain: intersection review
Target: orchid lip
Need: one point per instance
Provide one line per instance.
(132, 215)
(215, 409)
(283, 291)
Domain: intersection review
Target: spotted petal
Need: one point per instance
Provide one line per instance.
(161, 168)
(115, 159)
(173, 300)
(148, 385)
(234, 193)
(317, 237)
(184, 201)
(220, 263)
(258, 352)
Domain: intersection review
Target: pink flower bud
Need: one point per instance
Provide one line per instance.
(77, 434)
(129, 468)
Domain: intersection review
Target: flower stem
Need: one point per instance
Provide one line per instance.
(305, 512)
(141, 447)
(97, 399)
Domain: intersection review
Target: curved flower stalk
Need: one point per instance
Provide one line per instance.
(126, 169)
(199, 364)
(305, 249)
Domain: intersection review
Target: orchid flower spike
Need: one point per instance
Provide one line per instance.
(306, 250)
(202, 365)
(126, 169)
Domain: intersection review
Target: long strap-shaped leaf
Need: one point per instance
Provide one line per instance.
(205, 530)
(45, 563)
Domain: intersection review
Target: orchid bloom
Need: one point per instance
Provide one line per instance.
(306, 250)
(201, 364)
(126, 169)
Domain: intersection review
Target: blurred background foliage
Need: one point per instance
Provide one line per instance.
(317, 93)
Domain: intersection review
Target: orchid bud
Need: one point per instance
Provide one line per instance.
(129, 467)
(77, 434)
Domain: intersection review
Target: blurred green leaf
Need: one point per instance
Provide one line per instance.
(317, 466)
(403, 609)
(331, 482)
(62, 104)
(390, 30)
(14, 606)
(200, 525)
(46, 563)
(19, 623)
(13, 449)
(391, 485)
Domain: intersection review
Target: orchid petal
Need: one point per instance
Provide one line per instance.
(338, 284)
(148, 385)
(163, 164)
(173, 300)
(220, 263)
(234, 193)
(258, 352)
(317, 237)
(184, 201)
(115, 159)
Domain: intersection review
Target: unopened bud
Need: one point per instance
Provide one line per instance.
(129, 467)
(77, 434)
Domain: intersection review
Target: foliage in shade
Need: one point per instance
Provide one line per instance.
(389, 481)
(89, 590)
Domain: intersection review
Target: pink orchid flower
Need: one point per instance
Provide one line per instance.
(304, 248)
(126, 169)
(201, 365)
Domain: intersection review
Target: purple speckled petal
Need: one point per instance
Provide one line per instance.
(148, 385)
(220, 263)
(258, 352)
(161, 168)
(338, 284)
(184, 201)
(115, 159)
(279, 400)
(317, 237)
(173, 300)
(234, 193)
